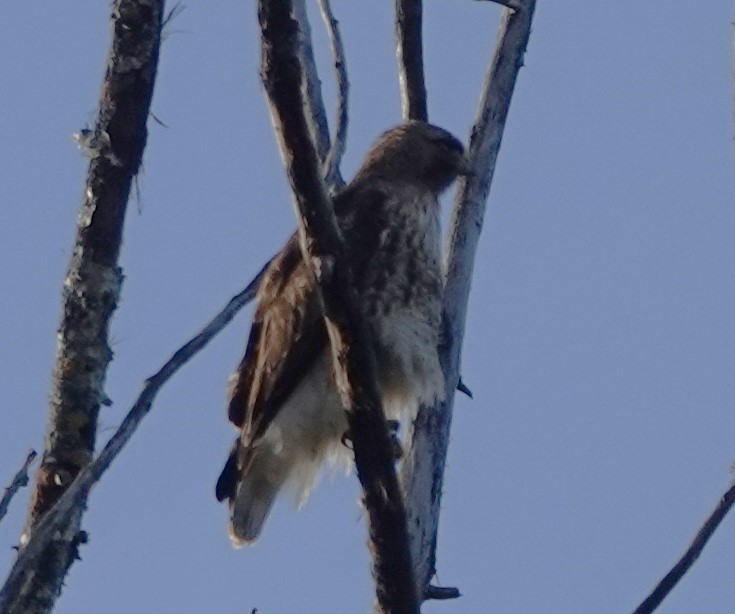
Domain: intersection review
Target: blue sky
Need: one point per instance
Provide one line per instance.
(601, 339)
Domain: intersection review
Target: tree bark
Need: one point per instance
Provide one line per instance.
(410, 52)
(91, 291)
(422, 473)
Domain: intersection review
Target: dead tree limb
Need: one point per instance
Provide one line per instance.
(422, 473)
(91, 289)
(76, 495)
(354, 360)
(316, 114)
(684, 564)
(410, 54)
(516, 5)
(337, 149)
(19, 481)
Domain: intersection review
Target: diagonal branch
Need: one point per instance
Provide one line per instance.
(422, 473)
(336, 151)
(19, 481)
(353, 357)
(671, 579)
(410, 53)
(91, 289)
(76, 495)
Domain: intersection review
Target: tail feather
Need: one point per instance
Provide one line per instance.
(250, 507)
(251, 491)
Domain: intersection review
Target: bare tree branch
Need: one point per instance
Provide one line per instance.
(516, 5)
(336, 151)
(76, 495)
(354, 360)
(732, 24)
(316, 115)
(410, 53)
(422, 473)
(677, 572)
(19, 481)
(441, 593)
(115, 147)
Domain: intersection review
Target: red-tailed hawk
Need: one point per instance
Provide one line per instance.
(283, 398)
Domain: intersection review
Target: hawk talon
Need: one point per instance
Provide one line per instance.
(395, 442)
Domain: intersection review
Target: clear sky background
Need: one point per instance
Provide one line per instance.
(601, 339)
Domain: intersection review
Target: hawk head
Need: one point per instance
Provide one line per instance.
(416, 153)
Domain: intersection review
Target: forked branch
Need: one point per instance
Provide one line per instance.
(354, 360)
(422, 473)
(337, 149)
(76, 494)
(316, 114)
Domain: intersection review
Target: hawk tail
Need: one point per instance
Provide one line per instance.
(251, 493)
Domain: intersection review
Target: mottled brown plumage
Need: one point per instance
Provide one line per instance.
(283, 398)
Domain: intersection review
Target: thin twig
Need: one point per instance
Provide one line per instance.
(353, 357)
(677, 572)
(410, 54)
(422, 473)
(316, 115)
(732, 25)
(19, 481)
(441, 593)
(44, 532)
(172, 14)
(333, 161)
(516, 5)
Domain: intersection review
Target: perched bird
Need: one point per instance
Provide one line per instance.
(283, 398)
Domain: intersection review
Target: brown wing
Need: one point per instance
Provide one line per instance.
(286, 337)
(288, 333)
